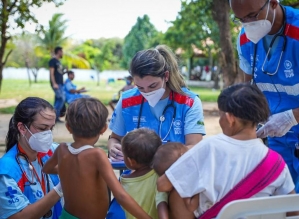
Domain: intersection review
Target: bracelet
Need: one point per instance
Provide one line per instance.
(58, 191)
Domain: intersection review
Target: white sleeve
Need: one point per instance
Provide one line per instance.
(243, 63)
(287, 186)
(185, 174)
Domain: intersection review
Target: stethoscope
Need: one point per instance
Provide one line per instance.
(162, 117)
(30, 181)
(280, 34)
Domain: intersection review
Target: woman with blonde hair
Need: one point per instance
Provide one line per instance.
(160, 101)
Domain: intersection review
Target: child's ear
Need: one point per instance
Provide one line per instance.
(68, 128)
(104, 129)
(230, 118)
(132, 162)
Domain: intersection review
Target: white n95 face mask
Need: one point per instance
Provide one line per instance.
(256, 30)
(40, 141)
(153, 97)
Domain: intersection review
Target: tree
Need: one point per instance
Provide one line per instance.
(201, 21)
(19, 13)
(53, 35)
(28, 55)
(140, 37)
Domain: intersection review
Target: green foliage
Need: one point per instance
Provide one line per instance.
(143, 35)
(27, 52)
(193, 26)
(102, 54)
(86, 51)
(20, 11)
(110, 56)
(293, 3)
(53, 35)
(15, 14)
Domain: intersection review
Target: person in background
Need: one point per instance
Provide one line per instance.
(56, 80)
(268, 44)
(71, 91)
(27, 192)
(129, 85)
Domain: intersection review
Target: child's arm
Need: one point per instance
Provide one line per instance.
(296, 213)
(163, 210)
(163, 184)
(123, 198)
(192, 203)
(51, 166)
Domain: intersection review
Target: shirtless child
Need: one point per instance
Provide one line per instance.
(85, 171)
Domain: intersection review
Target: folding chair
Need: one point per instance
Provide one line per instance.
(274, 207)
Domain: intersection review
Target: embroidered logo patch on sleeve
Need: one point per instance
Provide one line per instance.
(200, 123)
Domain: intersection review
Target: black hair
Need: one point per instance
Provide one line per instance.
(141, 145)
(25, 113)
(246, 102)
(70, 73)
(167, 155)
(86, 117)
(57, 49)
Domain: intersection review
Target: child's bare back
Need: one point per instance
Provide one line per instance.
(84, 188)
(85, 171)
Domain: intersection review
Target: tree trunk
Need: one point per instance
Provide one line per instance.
(34, 72)
(28, 72)
(1, 75)
(221, 16)
(98, 78)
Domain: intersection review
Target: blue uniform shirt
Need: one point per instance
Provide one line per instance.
(191, 125)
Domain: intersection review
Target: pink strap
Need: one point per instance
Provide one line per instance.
(266, 172)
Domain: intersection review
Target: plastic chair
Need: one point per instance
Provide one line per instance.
(274, 207)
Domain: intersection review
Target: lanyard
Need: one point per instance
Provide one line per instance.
(41, 182)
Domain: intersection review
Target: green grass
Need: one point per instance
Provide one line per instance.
(20, 89)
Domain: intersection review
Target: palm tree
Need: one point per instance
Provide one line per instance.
(54, 33)
(53, 36)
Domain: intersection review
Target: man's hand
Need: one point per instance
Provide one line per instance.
(278, 125)
(55, 86)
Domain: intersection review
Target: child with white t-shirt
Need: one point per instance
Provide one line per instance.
(213, 168)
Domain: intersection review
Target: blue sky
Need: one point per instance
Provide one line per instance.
(108, 18)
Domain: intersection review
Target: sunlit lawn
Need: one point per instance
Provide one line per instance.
(20, 89)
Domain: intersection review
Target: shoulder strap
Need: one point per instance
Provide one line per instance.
(263, 175)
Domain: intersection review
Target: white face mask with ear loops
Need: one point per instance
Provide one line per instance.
(40, 141)
(153, 97)
(256, 30)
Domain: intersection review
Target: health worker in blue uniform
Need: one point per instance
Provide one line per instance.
(160, 101)
(25, 191)
(268, 48)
